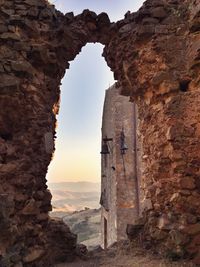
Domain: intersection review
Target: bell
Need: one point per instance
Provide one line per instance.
(124, 147)
(105, 149)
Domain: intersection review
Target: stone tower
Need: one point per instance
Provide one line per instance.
(120, 184)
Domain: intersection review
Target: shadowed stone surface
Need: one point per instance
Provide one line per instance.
(154, 55)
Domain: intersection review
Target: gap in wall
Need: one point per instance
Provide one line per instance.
(74, 174)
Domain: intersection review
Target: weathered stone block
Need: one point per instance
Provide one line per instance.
(146, 30)
(191, 229)
(159, 12)
(22, 66)
(164, 223)
(158, 234)
(3, 28)
(31, 208)
(37, 3)
(33, 255)
(49, 142)
(178, 238)
(33, 12)
(126, 28)
(187, 183)
(10, 36)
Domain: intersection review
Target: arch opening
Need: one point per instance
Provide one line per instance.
(74, 174)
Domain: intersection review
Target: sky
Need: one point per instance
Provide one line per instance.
(78, 142)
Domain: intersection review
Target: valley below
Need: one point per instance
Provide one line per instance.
(78, 206)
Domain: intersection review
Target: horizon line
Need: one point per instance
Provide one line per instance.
(74, 182)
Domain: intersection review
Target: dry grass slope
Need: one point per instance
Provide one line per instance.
(123, 255)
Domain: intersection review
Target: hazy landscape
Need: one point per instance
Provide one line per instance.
(77, 203)
(69, 196)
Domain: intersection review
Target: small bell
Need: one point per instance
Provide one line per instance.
(124, 146)
(105, 149)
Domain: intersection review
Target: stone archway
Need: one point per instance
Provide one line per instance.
(152, 53)
(37, 42)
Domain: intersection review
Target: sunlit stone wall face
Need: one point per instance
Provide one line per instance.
(154, 55)
(119, 184)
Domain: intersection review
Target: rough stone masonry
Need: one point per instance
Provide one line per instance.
(155, 56)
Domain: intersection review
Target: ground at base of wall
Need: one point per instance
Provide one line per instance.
(125, 255)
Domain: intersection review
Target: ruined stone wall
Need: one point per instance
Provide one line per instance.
(36, 43)
(171, 169)
(154, 54)
(119, 177)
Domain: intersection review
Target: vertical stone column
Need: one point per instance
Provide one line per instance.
(126, 166)
(119, 175)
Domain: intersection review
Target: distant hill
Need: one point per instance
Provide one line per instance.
(86, 224)
(78, 204)
(74, 196)
(76, 186)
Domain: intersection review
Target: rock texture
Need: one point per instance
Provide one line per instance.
(36, 44)
(154, 55)
(156, 61)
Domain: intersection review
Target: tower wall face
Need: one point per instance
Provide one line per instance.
(119, 176)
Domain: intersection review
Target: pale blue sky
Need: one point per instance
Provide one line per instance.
(77, 155)
(115, 8)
